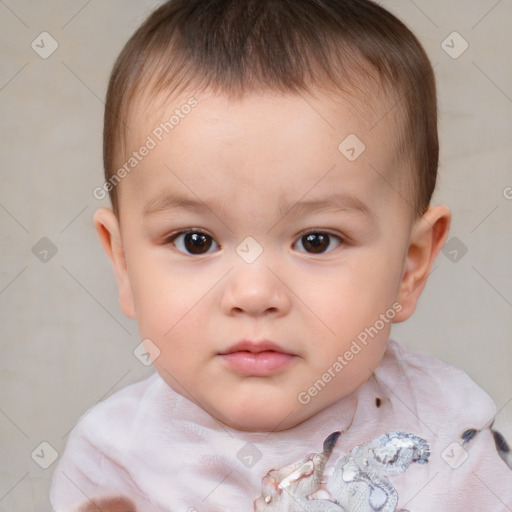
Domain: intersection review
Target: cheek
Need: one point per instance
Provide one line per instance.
(346, 307)
(161, 298)
(376, 273)
(173, 310)
(355, 294)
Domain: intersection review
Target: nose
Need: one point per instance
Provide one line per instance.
(255, 290)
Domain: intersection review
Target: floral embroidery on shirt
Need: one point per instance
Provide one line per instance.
(359, 481)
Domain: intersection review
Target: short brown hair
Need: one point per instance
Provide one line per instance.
(238, 46)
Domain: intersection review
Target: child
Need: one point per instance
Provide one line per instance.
(271, 165)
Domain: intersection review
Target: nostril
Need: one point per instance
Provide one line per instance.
(254, 311)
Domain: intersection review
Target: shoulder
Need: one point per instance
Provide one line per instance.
(117, 414)
(434, 386)
(97, 453)
(102, 432)
(444, 406)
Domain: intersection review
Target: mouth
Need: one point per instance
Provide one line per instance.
(256, 358)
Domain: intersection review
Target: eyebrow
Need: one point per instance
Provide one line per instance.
(332, 202)
(169, 201)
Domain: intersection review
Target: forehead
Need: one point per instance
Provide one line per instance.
(364, 104)
(284, 145)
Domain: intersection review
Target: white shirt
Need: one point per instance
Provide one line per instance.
(163, 452)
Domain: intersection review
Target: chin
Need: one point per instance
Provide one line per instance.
(258, 418)
(258, 424)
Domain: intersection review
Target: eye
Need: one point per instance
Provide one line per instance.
(193, 242)
(317, 242)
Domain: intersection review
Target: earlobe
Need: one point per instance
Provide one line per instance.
(427, 238)
(109, 233)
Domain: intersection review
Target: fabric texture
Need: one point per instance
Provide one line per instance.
(161, 452)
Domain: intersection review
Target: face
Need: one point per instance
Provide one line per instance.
(262, 262)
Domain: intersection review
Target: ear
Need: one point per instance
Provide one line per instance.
(107, 226)
(427, 238)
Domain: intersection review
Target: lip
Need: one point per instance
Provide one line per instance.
(253, 358)
(255, 347)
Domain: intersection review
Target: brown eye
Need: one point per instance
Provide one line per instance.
(317, 243)
(194, 243)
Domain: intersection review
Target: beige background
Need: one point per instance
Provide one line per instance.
(65, 343)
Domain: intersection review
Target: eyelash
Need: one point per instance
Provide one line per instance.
(171, 239)
(332, 236)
